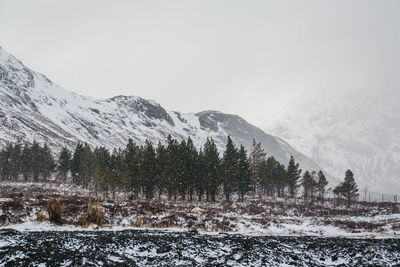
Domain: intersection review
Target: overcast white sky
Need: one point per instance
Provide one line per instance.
(242, 57)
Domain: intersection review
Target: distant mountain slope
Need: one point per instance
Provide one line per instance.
(354, 131)
(33, 107)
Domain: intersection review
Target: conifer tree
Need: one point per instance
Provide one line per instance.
(308, 182)
(172, 167)
(348, 189)
(48, 164)
(132, 162)
(212, 169)
(229, 168)
(292, 176)
(321, 184)
(280, 178)
(181, 172)
(26, 162)
(115, 171)
(257, 162)
(15, 161)
(64, 163)
(36, 161)
(269, 179)
(243, 183)
(86, 166)
(148, 170)
(82, 166)
(161, 164)
(191, 166)
(200, 182)
(101, 166)
(264, 184)
(5, 162)
(76, 163)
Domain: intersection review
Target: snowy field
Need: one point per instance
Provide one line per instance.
(136, 232)
(168, 248)
(20, 204)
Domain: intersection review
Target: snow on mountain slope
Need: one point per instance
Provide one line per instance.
(351, 131)
(34, 108)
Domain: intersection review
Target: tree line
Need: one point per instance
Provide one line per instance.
(175, 169)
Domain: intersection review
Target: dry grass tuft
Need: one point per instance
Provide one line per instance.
(93, 215)
(41, 216)
(55, 209)
(138, 223)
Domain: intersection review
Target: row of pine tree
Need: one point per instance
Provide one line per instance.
(176, 169)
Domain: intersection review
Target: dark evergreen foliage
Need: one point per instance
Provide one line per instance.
(243, 182)
(148, 170)
(309, 185)
(176, 169)
(32, 163)
(212, 169)
(347, 189)
(257, 160)
(293, 176)
(229, 166)
(321, 184)
(64, 163)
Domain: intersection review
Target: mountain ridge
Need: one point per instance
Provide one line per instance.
(32, 107)
(347, 131)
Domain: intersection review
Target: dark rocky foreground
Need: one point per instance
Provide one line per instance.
(149, 248)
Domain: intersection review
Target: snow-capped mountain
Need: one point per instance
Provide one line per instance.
(357, 131)
(34, 108)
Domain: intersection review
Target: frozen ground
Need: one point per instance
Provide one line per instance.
(20, 204)
(168, 248)
(255, 232)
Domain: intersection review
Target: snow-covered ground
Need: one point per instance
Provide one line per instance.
(170, 248)
(285, 226)
(20, 204)
(255, 232)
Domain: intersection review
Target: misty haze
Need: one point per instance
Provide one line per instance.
(244, 133)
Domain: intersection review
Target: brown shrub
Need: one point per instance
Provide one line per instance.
(138, 222)
(41, 216)
(55, 209)
(93, 215)
(75, 205)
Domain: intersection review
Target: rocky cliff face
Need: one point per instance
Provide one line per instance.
(34, 108)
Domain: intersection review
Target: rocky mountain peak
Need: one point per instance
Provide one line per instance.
(34, 108)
